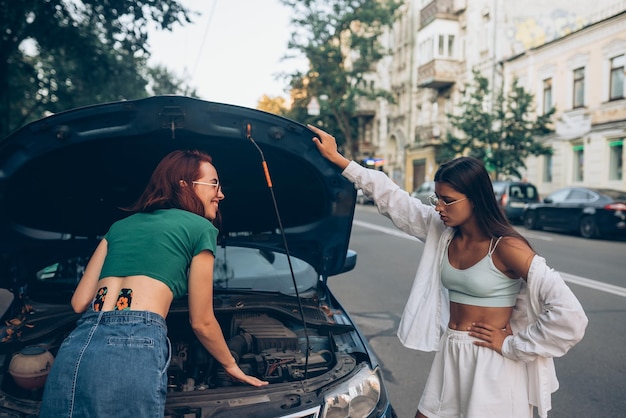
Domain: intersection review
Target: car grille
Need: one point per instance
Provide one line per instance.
(196, 413)
(309, 413)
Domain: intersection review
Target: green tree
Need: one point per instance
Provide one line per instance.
(163, 81)
(502, 134)
(272, 104)
(341, 41)
(56, 54)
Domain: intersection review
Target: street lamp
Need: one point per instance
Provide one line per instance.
(313, 108)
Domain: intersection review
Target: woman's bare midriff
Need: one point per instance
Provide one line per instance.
(462, 316)
(148, 294)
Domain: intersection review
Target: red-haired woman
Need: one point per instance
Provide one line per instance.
(115, 362)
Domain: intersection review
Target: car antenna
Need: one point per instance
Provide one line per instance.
(268, 179)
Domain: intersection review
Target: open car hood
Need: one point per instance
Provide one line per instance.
(63, 178)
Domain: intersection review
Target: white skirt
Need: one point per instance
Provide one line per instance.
(469, 381)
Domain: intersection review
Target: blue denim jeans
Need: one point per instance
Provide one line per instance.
(113, 364)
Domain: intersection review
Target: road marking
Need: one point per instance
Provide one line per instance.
(530, 235)
(385, 230)
(593, 284)
(571, 278)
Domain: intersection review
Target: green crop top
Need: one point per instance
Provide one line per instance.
(481, 284)
(158, 244)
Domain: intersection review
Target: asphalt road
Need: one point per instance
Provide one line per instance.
(592, 375)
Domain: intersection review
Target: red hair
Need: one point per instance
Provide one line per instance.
(165, 189)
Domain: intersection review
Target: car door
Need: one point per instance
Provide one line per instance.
(571, 208)
(552, 210)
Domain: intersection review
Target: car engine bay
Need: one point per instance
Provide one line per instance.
(263, 346)
(267, 345)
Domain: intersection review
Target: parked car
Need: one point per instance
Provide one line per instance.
(423, 191)
(513, 196)
(590, 211)
(62, 182)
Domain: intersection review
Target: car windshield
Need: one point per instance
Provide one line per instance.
(260, 270)
(235, 268)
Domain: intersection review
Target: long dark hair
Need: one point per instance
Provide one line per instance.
(468, 175)
(164, 190)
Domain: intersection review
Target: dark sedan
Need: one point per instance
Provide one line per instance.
(593, 212)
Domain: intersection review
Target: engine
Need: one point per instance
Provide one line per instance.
(263, 346)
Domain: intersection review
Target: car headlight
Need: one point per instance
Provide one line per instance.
(356, 397)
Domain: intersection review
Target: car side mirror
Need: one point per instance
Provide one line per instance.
(547, 200)
(350, 261)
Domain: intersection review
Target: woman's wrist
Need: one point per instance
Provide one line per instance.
(340, 161)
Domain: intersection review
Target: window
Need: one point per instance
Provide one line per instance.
(547, 95)
(580, 195)
(616, 160)
(579, 88)
(426, 51)
(579, 162)
(451, 46)
(445, 46)
(616, 89)
(559, 196)
(547, 168)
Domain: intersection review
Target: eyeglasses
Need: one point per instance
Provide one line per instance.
(202, 183)
(435, 201)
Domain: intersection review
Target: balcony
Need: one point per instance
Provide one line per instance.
(439, 73)
(439, 9)
(459, 6)
(428, 134)
(365, 107)
(609, 112)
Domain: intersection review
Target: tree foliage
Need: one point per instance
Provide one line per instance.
(341, 41)
(61, 54)
(502, 134)
(272, 104)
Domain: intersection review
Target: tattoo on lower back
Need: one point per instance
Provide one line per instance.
(99, 299)
(124, 300)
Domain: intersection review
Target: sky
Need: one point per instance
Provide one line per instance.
(232, 52)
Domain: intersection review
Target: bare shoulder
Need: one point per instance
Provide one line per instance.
(515, 255)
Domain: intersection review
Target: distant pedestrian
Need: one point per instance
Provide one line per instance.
(482, 298)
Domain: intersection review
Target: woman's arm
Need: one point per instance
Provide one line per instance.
(556, 319)
(86, 289)
(202, 317)
(407, 214)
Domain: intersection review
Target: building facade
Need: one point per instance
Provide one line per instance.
(436, 44)
(581, 75)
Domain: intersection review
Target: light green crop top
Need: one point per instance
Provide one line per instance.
(158, 244)
(481, 284)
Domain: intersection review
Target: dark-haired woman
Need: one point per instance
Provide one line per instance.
(114, 363)
(482, 298)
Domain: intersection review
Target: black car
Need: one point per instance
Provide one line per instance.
(62, 182)
(513, 196)
(590, 211)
